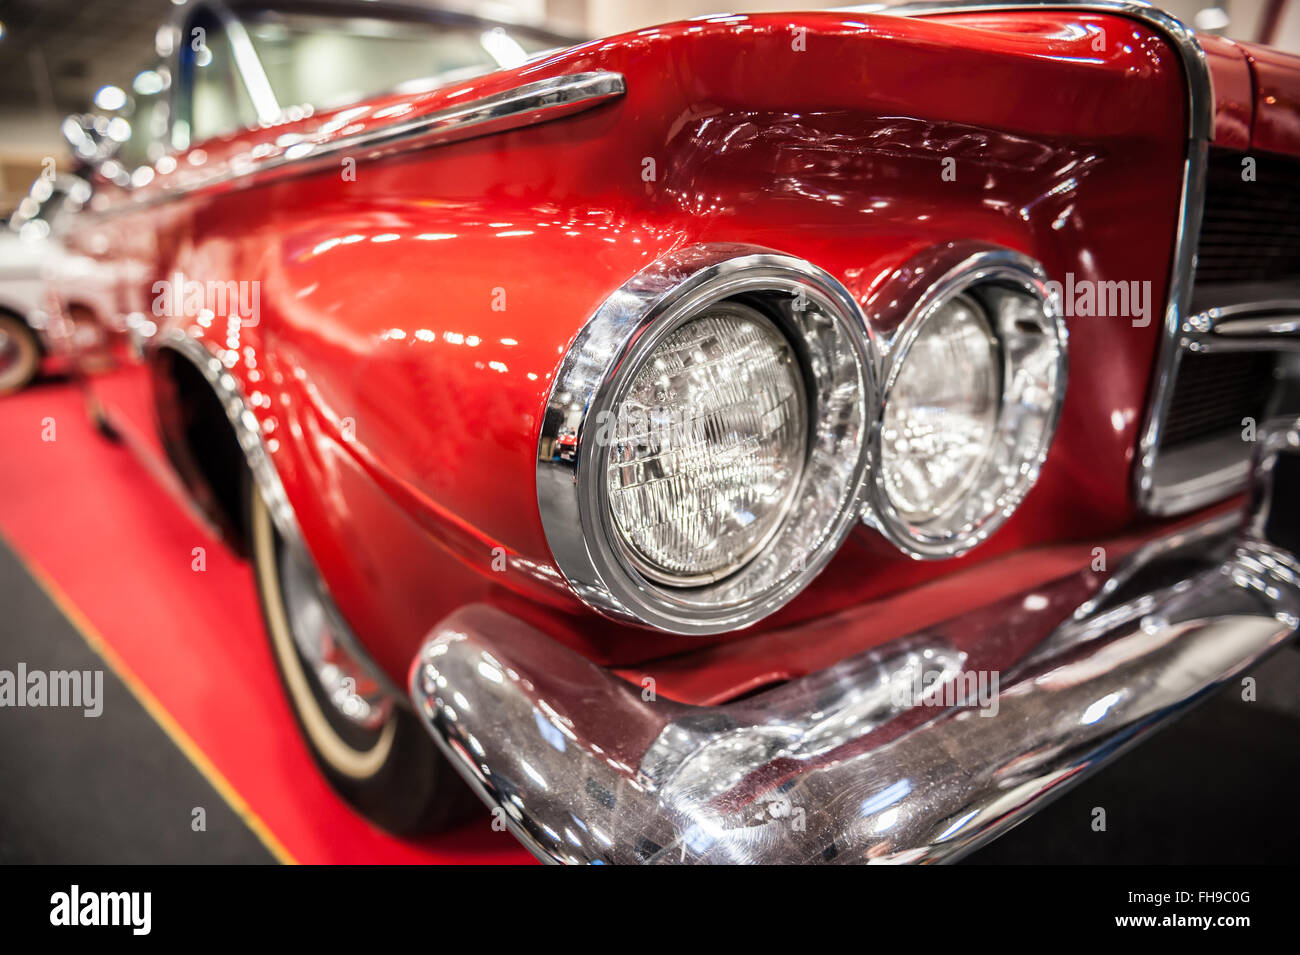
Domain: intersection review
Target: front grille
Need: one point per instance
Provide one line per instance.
(1214, 392)
(1248, 254)
(1251, 230)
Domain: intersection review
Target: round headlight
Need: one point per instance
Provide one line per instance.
(708, 447)
(938, 426)
(704, 448)
(973, 389)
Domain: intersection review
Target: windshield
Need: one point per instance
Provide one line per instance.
(329, 61)
(274, 61)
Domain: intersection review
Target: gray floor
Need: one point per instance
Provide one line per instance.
(113, 788)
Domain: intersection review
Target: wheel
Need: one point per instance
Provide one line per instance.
(20, 354)
(375, 753)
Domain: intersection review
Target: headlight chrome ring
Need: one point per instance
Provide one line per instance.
(822, 325)
(979, 291)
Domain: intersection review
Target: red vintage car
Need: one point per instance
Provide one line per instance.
(671, 434)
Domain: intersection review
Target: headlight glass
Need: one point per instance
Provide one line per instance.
(941, 416)
(973, 389)
(708, 446)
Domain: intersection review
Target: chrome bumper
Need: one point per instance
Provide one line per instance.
(891, 756)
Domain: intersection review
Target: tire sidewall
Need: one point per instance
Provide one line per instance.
(30, 349)
(403, 784)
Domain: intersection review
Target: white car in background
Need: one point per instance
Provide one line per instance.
(52, 301)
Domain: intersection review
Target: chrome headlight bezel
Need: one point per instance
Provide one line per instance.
(824, 326)
(997, 278)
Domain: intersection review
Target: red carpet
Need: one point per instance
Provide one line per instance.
(87, 517)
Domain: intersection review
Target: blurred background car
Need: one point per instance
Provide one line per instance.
(52, 300)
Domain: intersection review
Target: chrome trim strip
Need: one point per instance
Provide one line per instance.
(1146, 489)
(248, 66)
(1272, 325)
(867, 761)
(251, 72)
(530, 104)
(249, 435)
(1275, 329)
(826, 324)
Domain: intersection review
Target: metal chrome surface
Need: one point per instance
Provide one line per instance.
(1202, 471)
(1265, 325)
(864, 762)
(342, 679)
(826, 326)
(1251, 319)
(1148, 491)
(946, 272)
(249, 435)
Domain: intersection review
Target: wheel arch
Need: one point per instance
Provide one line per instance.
(213, 441)
(212, 438)
(201, 442)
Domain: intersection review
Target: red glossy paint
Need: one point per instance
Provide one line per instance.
(1234, 92)
(401, 401)
(714, 674)
(1277, 99)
